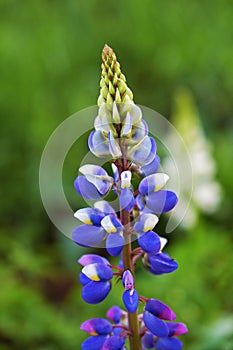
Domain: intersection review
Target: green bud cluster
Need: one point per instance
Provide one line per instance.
(113, 85)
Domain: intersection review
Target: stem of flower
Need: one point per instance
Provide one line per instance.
(134, 337)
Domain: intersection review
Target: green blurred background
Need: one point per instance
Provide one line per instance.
(50, 55)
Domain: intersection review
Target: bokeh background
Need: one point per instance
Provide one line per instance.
(50, 68)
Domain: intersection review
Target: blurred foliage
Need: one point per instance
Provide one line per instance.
(50, 66)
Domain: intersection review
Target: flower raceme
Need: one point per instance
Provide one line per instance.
(121, 137)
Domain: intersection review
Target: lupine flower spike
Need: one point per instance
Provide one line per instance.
(121, 135)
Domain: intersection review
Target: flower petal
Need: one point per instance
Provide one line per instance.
(176, 329)
(161, 201)
(92, 169)
(96, 326)
(115, 243)
(136, 114)
(126, 179)
(168, 344)
(114, 314)
(127, 126)
(139, 132)
(160, 310)
(89, 216)
(127, 199)
(145, 222)
(94, 343)
(98, 144)
(105, 207)
(92, 259)
(86, 189)
(111, 224)
(141, 152)
(95, 292)
(152, 167)
(113, 343)
(128, 280)
(114, 147)
(161, 263)
(98, 272)
(83, 279)
(155, 325)
(150, 242)
(148, 340)
(131, 300)
(152, 183)
(88, 235)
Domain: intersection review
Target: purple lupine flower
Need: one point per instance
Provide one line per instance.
(96, 326)
(160, 263)
(94, 183)
(154, 315)
(151, 196)
(171, 342)
(126, 195)
(148, 240)
(99, 223)
(130, 296)
(95, 277)
(113, 343)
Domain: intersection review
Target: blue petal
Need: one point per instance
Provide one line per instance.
(155, 325)
(98, 272)
(88, 235)
(139, 202)
(113, 343)
(115, 243)
(150, 242)
(145, 222)
(161, 201)
(95, 292)
(94, 343)
(98, 144)
(168, 344)
(96, 326)
(105, 207)
(90, 216)
(152, 183)
(161, 263)
(160, 310)
(148, 340)
(86, 189)
(130, 299)
(83, 279)
(127, 199)
(152, 167)
(139, 132)
(143, 152)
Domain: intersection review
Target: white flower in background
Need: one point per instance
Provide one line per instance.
(206, 193)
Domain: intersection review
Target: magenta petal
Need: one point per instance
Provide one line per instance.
(159, 309)
(176, 329)
(114, 314)
(155, 325)
(150, 242)
(96, 326)
(95, 292)
(161, 201)
(92, 259)
(94, 343)
(131, 300)
(113, 343)
(114, 243)
(127, 199)
(168, 344)
(88, 235)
